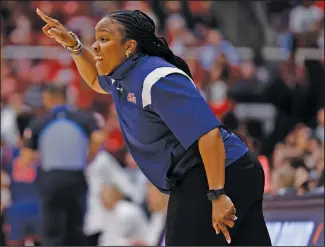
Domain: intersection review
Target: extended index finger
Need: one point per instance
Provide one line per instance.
(225, 232)
(46, 18)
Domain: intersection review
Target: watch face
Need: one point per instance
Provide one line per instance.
(214, 194)
(211, 195)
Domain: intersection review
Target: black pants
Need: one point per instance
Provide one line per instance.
(2, 234)
(92, 240)
(63, 196)
(189, 217)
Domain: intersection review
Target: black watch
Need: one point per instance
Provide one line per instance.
(214, 194)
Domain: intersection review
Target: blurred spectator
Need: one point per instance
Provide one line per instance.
(215, 47)
(249, 82)
(9, 131)
(217, 84)
(304, 153)
(103, 169)
(314, 152)
(302, 136)
(8, 82)
(319, 130)
(144, 7)
(312, 182)
(157, 203)
(203, 14)
(261, 68)
(21, 35)
(301, 175)
(283, 179)
(180, 37)
(24, 225)
(124, 221)
(136, 176)
(306, 21)
(319, 168)
(24, 178)
(305, 17)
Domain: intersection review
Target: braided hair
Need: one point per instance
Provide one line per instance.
(141, 28)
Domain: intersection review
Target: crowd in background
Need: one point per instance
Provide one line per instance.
(200, 31)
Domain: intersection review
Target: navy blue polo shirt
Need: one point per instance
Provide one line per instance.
(62, 138)
(162, 114)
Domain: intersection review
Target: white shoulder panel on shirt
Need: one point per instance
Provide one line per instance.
(153, 77)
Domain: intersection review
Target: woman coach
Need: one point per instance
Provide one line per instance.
(215, 183)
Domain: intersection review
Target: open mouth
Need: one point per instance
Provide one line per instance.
(98, 59)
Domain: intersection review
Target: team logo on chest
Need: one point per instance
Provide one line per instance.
(132, 98)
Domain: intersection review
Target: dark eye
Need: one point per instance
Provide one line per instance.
(103, 39)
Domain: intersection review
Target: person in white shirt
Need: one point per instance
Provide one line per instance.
(304, 18)
(124, 221)
(137, 178)
(9, 112)
(102, 169)
(157, 204)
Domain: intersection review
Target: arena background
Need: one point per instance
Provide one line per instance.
(259, 64)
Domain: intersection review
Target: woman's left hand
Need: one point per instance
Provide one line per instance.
(223, 215)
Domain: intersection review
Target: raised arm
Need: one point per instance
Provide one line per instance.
(83, 58)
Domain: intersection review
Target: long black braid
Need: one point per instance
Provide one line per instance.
(140, 27)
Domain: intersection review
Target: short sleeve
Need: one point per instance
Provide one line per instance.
(180, 105)
(106, 83)
(30, 135)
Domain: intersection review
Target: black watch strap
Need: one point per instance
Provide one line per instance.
(214, 194)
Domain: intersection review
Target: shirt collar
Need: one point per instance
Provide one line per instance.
(122, 71)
